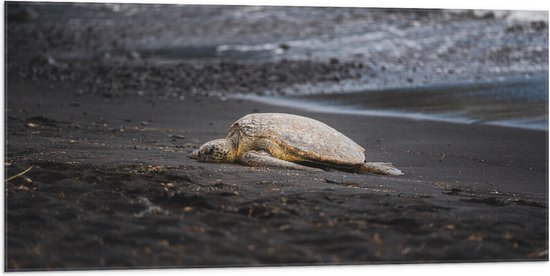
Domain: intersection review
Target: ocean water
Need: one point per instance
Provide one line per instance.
(465, 66)
(472, 67)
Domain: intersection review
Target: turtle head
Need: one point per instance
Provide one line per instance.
(219, 150)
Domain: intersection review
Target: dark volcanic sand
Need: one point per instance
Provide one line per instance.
(112, 186)
(111, 191)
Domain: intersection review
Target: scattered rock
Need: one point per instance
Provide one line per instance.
(176, 136)
(539, 25)
(284, 46)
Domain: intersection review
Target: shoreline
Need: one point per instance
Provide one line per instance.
(452, 118)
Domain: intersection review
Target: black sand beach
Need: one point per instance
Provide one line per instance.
(111, 184)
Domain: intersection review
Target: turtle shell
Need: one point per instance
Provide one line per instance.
(305, 138)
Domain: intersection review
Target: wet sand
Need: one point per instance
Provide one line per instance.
(112, 187)
(517, 103)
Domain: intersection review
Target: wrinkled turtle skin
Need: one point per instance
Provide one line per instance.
(290, 141)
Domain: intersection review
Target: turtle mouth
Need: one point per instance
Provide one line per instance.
(194, 154)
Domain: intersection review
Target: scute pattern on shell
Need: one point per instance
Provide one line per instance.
(304, 136)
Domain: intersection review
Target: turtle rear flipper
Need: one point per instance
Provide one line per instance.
(263, 159)
(379, 168)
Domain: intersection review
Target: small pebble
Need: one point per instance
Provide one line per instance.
(177, 136)
(26, 179)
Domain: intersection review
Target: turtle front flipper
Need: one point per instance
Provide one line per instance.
(263, 159)
(379, 168)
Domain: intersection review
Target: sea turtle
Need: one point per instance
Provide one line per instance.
(289, 141)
